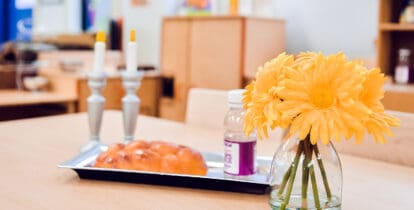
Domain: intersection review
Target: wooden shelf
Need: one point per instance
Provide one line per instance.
(392, 35)
(396, 27)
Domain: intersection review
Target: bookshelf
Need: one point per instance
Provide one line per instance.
(392, 35)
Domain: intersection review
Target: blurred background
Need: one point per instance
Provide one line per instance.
(47, 47)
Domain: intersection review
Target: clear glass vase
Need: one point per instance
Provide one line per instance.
(306, 176)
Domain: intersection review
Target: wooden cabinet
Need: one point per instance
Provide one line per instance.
(214, 52)
(399, 97)
(392, 35)
(75, 83)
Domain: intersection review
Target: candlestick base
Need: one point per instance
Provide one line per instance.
(128, 139)
(90, 146)
(130, 103)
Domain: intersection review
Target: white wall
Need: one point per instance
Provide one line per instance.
(66, 17)
(330, 26)
(146, 20)
(312, 25)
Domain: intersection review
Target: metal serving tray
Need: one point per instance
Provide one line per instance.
(214, 180)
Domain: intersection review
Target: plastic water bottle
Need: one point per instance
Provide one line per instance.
(239, 149)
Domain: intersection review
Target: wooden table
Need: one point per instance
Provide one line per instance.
(31, 149)
(22, 98)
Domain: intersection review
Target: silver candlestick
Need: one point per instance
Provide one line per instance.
(96, 102)
(130, 103)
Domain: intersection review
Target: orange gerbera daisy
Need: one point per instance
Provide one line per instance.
(260, 98)
(325, 97)
(376, 122)
(319, 98)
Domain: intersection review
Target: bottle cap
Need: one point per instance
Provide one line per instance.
(235, 98)
(404, 52)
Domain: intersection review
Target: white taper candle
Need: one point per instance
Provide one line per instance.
(131, 58)
(99, 52)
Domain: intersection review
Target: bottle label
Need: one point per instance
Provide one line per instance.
(239, 157)
(401, 74)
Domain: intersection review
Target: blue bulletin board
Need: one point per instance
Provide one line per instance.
(19, 15)
(3, 21)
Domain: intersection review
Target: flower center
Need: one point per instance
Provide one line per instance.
(322, 97)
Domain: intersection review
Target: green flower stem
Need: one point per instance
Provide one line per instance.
(323, 172)
(305, 179)
(292, 175)
(284, 181)
(314, 187)
(305, 171)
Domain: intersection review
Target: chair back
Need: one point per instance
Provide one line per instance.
(206, 107)
(398, 149)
